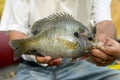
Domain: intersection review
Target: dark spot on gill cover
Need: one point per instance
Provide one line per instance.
(35, 32)
(90, 38)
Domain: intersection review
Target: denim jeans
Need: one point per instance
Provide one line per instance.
(79, 70)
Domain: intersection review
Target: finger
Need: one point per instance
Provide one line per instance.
(43, 60)
(110, 47)
(100, 62)
(96, 59)
(99, 54)
(55, 62)
(109, 41)
(102, 55)
(113, 51)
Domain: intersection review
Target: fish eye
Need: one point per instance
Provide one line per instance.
(76, 34)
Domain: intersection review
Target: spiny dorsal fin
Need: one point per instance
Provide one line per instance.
(60, 16)
(40, 25)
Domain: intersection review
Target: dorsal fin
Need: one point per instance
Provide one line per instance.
(60, 16)
(40, 25)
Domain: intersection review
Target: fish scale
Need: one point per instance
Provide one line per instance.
(58, 35)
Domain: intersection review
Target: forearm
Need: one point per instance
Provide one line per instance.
(106, 28)
(16, 35)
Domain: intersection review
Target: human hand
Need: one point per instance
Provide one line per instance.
(51, 62)
(106, 53)
(101, 58)
(48, 60)
(111, 47)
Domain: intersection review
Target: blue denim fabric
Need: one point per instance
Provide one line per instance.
(79, 70)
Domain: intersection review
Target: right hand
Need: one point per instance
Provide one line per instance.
(48, 60)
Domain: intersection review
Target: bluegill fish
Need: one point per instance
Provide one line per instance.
(58, 35)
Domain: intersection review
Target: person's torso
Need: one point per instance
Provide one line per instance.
(79, 9)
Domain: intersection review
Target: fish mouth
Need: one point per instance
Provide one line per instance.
(85, 43)
(85, 40)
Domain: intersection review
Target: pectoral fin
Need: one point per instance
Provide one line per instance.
(67, 44)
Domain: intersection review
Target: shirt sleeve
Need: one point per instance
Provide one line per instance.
(15, 16)
(101, 11)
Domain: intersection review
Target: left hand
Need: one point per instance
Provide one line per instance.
(101, 58)
(104, 29)
(112, 47)
(106, 53)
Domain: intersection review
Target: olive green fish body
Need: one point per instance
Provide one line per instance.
(57, 36)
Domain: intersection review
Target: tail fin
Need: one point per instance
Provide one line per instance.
(18, 47)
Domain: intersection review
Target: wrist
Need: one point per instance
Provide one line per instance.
(106, 28)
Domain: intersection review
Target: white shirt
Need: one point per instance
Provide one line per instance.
(21, 14)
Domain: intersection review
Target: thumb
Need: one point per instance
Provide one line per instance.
(107, 45)
(102, 47)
